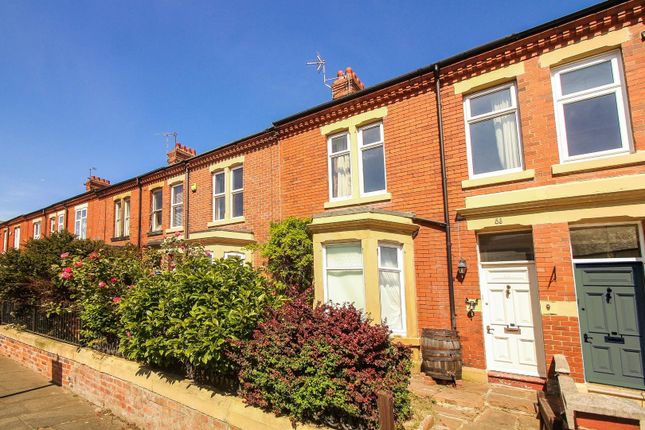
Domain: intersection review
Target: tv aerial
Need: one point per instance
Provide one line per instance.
(320, 64)
(167, 135)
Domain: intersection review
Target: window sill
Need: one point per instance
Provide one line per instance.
(174, 229)
(226, 221)
(500, 179)
(637, 157)
(119, 239)
(155, 233)
(358, 201)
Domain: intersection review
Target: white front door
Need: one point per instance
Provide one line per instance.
(512, 330)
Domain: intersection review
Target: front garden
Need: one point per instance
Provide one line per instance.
(219, 321)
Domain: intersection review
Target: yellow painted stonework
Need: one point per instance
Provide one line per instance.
(562, 309)
(585, 48)
(499, 179)
(121, 196)
(230, 162)
(358, 201)
(489, 79)
(229, 409)
(176, 179)
(637, 157)
(617, 198)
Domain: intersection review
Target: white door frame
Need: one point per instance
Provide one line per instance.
(538, 334)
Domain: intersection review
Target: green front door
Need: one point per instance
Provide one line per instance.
(611, 305)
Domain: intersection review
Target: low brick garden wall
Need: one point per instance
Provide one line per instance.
(146, 398)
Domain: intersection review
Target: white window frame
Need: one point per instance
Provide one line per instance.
(118, 207)
(37, 229)
(468, 119)
(400, 270)
(5, 240)
(331, 155)
(16, 238)
(231, 254)
(361, 149)
(52, 224)
(236, 191)
(361, 268)
(126, 217)
(80, 222)
(173, 205)
(617, 88)
(221, 195)
(641, 239)
(153, 220)
(60, 222)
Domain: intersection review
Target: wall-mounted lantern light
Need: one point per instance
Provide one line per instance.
(462, 268)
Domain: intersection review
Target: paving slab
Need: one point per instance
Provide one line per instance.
(29, 401)
(494, 419)
(462, 398)
(521, 404)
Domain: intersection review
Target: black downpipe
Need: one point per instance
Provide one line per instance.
(140, 212)
(446, 210)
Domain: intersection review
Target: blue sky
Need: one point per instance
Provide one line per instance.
(95, 83)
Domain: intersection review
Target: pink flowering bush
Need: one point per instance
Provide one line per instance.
(97, 283)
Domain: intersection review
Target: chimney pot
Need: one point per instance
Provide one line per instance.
(180, 153)
(346, 83)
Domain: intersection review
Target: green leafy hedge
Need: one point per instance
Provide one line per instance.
(191, 315)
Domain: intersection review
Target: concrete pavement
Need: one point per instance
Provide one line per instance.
(30, 401)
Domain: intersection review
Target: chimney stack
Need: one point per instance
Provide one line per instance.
(96, 183)
(180, 153)
(345, 84)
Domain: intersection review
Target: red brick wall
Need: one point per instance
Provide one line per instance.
(413, 178)
(540, 151)
(261, 193)
(136, 405)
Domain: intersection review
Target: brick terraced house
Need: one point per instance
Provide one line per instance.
(500, 192)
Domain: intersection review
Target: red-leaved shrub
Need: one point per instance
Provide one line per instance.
(323, 364)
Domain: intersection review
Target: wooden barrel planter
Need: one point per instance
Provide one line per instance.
(441, 353)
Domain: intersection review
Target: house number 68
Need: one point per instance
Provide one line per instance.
(499, 221)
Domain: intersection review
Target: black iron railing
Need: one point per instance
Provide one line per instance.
(65, 326)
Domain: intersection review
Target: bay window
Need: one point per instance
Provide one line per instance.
(344, 274)
(492, 132)
(392, 293)
(176, 206)
(590, 106)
